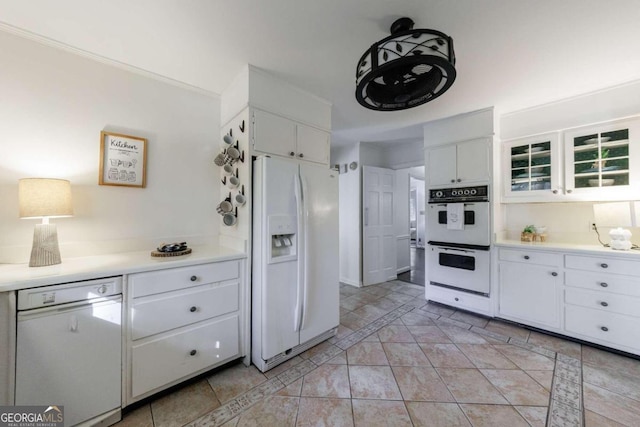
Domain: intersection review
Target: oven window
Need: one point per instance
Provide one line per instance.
(469, 217)
(463, 262)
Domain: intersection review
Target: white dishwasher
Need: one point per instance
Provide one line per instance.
(69, 348)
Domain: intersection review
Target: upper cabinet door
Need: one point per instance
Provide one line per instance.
(462, 163)
(274, 134)
(442, 165)
(473, 161)
(601, 162)
(532, 167)
(312, 144)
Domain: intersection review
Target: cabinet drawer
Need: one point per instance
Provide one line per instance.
(159, 313)
(626, 285)
(605, 301)
(604, 264)
(164, 360)
(466, 301)
(155, 282)
(616, 329)
(531, 257)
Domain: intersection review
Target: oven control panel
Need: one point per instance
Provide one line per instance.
(461, 194)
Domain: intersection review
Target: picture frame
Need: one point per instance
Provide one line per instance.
(123, 160)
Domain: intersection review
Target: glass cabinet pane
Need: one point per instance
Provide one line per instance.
(601, 159)
(531, 166)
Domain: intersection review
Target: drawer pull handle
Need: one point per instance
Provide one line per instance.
(291, 153)
(301, 155)
(194, 278)
(603, 265)
(604, 303)
(457, 299)
(526, 257)
(604, 284)
(554, 274)
(604, 328)
(193, 352)
(193, 309)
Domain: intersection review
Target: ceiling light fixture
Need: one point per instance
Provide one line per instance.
(406, 69)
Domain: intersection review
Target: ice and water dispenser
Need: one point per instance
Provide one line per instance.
(283, 238)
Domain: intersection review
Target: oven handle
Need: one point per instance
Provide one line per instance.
(457, 250)
(445, 204)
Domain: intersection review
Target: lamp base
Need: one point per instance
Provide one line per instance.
(45, 249)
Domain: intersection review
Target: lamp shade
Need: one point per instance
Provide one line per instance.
(615, 214)
(44, 197)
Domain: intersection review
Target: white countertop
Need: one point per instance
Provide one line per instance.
(569, 247)
(21, 276)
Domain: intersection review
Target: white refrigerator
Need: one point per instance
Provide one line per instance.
(295, 285)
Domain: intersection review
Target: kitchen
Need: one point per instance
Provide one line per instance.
(182, 194)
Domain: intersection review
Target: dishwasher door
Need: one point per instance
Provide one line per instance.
(71, 355)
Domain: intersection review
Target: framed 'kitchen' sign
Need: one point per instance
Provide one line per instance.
(123, 160)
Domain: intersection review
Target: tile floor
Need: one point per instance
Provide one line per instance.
(400, 361)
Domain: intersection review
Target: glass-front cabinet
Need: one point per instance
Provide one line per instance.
(591, 163)
(533, 166)
(601, 160)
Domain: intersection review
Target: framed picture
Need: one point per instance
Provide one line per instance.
(123, 160)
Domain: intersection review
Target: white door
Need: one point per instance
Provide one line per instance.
(312, 144)
(378, 235)
(441, 163)
(472, 161)
(274, 134)
(275, 280)
(70, 355)
(321, 292)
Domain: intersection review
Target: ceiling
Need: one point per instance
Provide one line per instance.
(511, 54)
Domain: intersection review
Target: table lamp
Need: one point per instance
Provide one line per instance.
(44, 198)
(617, 215)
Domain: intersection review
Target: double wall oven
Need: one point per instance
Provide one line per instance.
(459, 228)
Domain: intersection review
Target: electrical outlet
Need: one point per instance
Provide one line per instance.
(592, 226)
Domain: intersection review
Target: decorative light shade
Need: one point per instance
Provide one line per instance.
(44, 197)
(407, 69)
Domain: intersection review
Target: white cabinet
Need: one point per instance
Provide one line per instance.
(273, 134)
(595, 298)
(594, 163)
(530, 288)
(182, 322)
(461, 163)
(532, 167)
(602, 300)
(602, 160)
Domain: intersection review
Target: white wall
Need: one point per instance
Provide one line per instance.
(349, 215)
(54, 105)
(462, 127)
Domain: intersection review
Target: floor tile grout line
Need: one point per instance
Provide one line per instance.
(357, 336)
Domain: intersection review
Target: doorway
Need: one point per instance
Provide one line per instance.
(416, 211)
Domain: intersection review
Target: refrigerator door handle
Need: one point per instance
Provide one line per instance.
(305, 253)
(297, 186)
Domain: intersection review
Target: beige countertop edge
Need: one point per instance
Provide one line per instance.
(21, 276)
(569, 247)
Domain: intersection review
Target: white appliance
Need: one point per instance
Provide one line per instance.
(460, 268)
(474, 226)
(295, 285)
(459, 230)
(68, 349)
